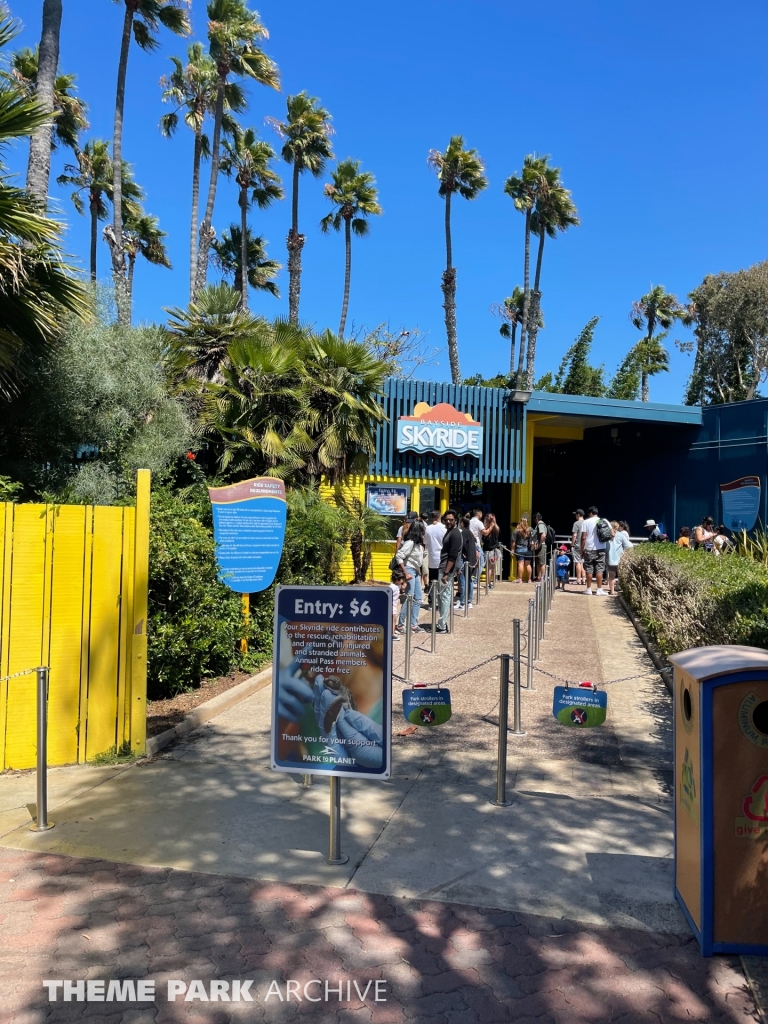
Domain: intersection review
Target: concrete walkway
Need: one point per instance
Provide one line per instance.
(557, 908)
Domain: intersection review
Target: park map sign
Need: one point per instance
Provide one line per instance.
(249, 530)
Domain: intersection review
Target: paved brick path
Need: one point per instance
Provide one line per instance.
(70, 918)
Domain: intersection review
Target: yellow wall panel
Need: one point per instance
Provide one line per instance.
(104, 648)
(65, 636)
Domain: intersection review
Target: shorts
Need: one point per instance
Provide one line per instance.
(578, 558)
(613, 571)
(541, 555)
(524, 555)
(594, 562)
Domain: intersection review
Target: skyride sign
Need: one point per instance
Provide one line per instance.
(441, 429)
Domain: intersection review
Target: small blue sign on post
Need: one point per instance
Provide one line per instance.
(427, 705)
(332, 681)
(249, 530)
(579, 707)
(741, 502)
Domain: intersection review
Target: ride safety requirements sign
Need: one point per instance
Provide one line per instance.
(249, 529)
(332, 681)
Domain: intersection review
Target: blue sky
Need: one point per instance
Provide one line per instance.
(654, 112)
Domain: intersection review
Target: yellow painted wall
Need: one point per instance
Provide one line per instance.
(354, 486)
(73, 596)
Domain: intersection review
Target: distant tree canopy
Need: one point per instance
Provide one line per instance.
(730, 317)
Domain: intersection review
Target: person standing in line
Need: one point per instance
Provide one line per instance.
(469, 556)
(521, 542)
(539, 546)
(593, 553)
(562, 565)
(435, 533)
(399, 588)
(491, 546)
(449, 556)
(654, 533)
(576, 530)
(402, 533)
(410, 555)
(684, 540)
(477, 527)
(617, 545)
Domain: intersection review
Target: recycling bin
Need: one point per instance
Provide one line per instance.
(721, 796)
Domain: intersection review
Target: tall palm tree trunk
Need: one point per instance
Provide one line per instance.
(449, 294)
(39, 166)
(347, 273)
(94, 234)
(195, 211)
(644, 393)
(244, 249)
(206, 231)
(533, 329)
(129, 285)
(526, 297)
(116, 242)
(513, 349)
(295, 243)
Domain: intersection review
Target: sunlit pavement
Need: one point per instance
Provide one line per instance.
(557, 908)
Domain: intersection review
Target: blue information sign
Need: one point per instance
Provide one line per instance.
(579, 707)
(249, 530)
(332, 681)
(427, 705)
(741, 502)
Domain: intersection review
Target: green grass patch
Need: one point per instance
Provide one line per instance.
(694, 599)
(114, 755)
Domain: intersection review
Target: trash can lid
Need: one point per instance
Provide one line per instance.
(720, 660)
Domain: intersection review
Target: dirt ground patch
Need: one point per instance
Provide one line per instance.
(164, 714)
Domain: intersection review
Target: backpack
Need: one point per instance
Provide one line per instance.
(551, 537)
(604, 530)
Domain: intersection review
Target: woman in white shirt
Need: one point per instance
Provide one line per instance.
(410, 555)
(617, 545)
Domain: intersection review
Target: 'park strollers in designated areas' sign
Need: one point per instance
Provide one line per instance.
(427, 705)
(741, 502)
(249, 530)
(579, 707)
(332, 681)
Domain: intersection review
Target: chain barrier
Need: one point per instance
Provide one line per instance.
(456, 675)
(15, 675)
(606, 682)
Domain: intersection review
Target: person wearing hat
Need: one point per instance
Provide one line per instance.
(563, 567)
(654, 533)
(576, 531)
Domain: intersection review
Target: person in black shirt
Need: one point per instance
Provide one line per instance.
(469, 556)
(449, 556)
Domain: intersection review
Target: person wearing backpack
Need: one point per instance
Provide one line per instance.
(539, 543)
(594, 537)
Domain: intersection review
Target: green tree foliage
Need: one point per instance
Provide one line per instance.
(626, 382)
(461, 171)
(354, 197)
(654, 314)
(575, 375)
(70, 111)
(306, 134)
(94, 410)
(729, 313)
(228, 257)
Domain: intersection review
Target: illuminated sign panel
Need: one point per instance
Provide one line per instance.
(440, 429)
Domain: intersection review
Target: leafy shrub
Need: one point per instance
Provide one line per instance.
(195, 622)
(693, 598)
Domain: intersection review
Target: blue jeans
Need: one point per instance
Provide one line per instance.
(445, 598)
(462, 578)
(414, 591)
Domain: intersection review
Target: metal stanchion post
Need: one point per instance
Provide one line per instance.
(434, 616)
(41, 823)
(477, 582)
(450, 607)
(531, 626)
(408, 610)
(306, 781)
(501, 757)
(487, 555)
(466, 589)
(335, 856)
(516, 653)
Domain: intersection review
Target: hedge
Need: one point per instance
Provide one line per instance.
(694, 598)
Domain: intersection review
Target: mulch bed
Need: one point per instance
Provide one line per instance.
(164, 714)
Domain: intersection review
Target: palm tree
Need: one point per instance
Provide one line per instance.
(142, 19)
(70, 111)
(92, 177)
(233, 32)
(354, 195)
(657, 308)
(201, 334)
(306, 132)
(363, 527)
(39, 166)
(192, 89)
(249, 159)
(554, 211)
(522, 189)
(143, 237)
(228, 257)
(36, 286)
(459, 170)
(511, 313)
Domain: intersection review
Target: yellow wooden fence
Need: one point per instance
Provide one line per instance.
(73, 596)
